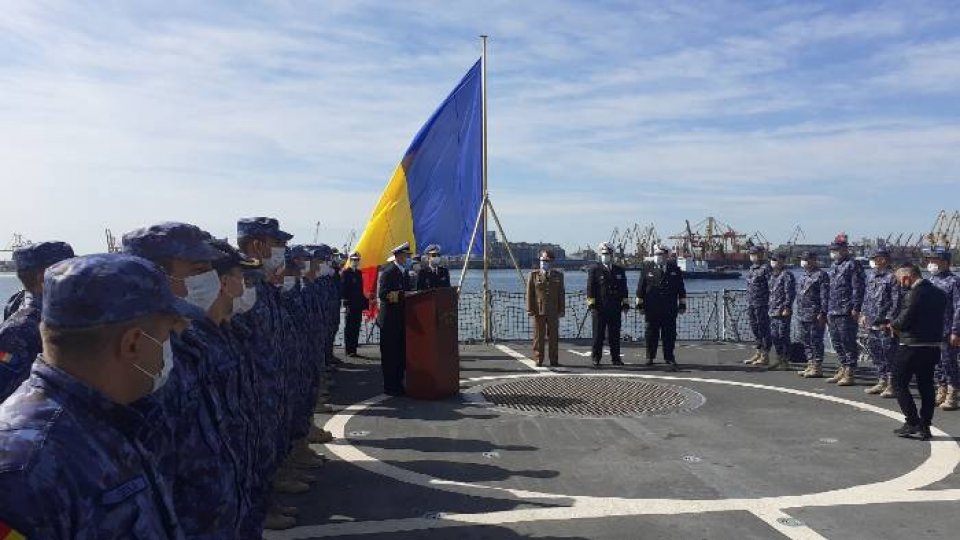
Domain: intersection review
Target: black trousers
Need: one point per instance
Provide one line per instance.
(919, 362)
(606, 323)
(351, 330)
(393, 355)
(661, 327)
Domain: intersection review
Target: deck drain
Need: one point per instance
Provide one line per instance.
(491, 455)
(827, 440)
(692, 459)
(790, 522)
(358, 434)
(590, 397)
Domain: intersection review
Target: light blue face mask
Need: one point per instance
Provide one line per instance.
(544, 265)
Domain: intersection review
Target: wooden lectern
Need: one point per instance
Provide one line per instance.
(433, 354)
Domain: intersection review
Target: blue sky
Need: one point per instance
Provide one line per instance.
(833, 115)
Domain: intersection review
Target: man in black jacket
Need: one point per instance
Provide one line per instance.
(355, 303)
(433, 275)
(607, 299)
(919, 328)
(391, 288)
(661, 296)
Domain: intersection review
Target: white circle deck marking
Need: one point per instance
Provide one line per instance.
(943, 459)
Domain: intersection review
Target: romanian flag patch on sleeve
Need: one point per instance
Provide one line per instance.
(9, 533)
(5, 358)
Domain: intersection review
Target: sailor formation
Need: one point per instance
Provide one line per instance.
(856, 308)
(168, 391)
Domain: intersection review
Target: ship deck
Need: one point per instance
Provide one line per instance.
(726, 451)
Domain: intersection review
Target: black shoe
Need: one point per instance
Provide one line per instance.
(554, 364)
(671, 367)
(649, 362)
(617, 362)
(908, 429)
(351, 355)
(596, 365)
(395, 393)
(924, 433)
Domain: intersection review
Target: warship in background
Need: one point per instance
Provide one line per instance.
(7, 266)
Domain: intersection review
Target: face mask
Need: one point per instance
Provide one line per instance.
(605, 259)
(159, 379)
(754, 258)
(246, 301)
(203, 289)
(774, 264)
(804, 264)
(873, 264)
(933, 268)
(433, 261)
(834, 255)
(325, 269)
(277, 256)
(289, 282)
(658, 259)
(407, 264)
(544, 265)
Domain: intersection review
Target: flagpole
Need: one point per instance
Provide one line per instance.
(486, 261)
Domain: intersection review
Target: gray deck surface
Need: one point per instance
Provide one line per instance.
(751, 462)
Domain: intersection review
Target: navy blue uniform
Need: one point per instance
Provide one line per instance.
(393, 341)
(947, 371)
(659, 294)
(880, 305)
(355, 303)
(847, 284)
(758, 298)
(813, 297)
(783, 291)
(19, 344)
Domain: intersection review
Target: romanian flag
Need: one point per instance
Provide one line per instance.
(9, 533)
(5, 358)
(435, 193)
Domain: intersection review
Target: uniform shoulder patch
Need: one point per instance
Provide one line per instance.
(9, 533)
(5, 358)
(124, 490)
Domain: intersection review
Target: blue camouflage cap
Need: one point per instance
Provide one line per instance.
(170, 240)
(808, 255)
(41, 255)
(322, 252)
(108, 288)
(300, 252)
(880, 252)
(937, 252)
(232, 258)
(261, 226)
(756, 250)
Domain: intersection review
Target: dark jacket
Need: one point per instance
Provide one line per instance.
(921, 316)
(660, 289)
(392, 278)
(433, 278)
(607, 287)
(353, 297)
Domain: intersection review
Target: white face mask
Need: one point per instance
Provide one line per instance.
(433, 261)
(873, 264)
(289, 282)
(933, 268)
(658, 259)
(834, 255)
(774, 264)
(804, 264)
(159, 379)
(325, 269)
(605, 259)
(246, 301)
(754, 258)
(203, 289)
(277, 256)
(544, 265)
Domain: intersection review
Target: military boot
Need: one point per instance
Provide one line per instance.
(889, 391)
(292, 511)
(816, 372)
(290, 486)
(303, 457)
(276, 521)
(951, 401)
(318, 436)
(764, 359)
(837, 376)
(752, 360)
(941, 394)
(848, 378)
(807, 370)
(877, 388)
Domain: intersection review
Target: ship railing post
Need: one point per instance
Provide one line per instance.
(722, 306)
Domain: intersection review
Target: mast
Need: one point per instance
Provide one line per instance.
(487, 330)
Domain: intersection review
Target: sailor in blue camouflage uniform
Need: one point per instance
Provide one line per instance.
(73, 464)
(847, 285)
(947, 372)
(881, 303)
(813, 297)
(20, 332)
(259, 329)
(783, 291)
(328, 301)
(758, 300)
(196, 457)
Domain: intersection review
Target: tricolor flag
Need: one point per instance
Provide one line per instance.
(435, 193)
(5, 358)
(9, 533)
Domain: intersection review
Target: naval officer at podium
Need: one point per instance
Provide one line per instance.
(391, 287)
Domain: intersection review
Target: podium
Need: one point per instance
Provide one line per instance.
(433, 353)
